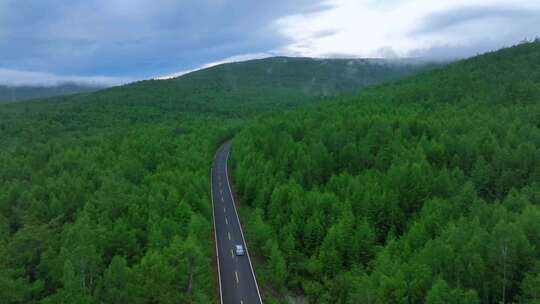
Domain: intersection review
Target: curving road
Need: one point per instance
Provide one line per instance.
(237, 282)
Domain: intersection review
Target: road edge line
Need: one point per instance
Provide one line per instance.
(214, 221)
(238, 219)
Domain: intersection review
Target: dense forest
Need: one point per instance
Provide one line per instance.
(20, 93)
(104, 197)
(423, 190)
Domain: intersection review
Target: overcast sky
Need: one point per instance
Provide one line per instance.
(116, 41)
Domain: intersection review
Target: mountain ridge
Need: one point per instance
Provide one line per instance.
(27, 92)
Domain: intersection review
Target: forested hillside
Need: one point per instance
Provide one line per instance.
(104, 197)
(425, 190)
(245, 88)
(19, 93)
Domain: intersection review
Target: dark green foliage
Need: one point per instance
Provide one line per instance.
(104, 197)
(83, 220)
(424, 190)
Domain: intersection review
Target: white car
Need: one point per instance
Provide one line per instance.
(239, 250)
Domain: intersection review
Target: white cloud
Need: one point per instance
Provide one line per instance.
(369, 28)
(27, 78)
(400, 28)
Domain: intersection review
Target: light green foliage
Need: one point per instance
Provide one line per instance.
(117, 284)
(441, 293)
(530, 286)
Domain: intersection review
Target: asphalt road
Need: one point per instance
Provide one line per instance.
(237, 282)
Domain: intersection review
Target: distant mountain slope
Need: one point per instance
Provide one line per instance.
(20, 93)
(274, 82)
(310, 77)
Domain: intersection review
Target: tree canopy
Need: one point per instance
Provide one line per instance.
(424, 190)
(104, 197)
